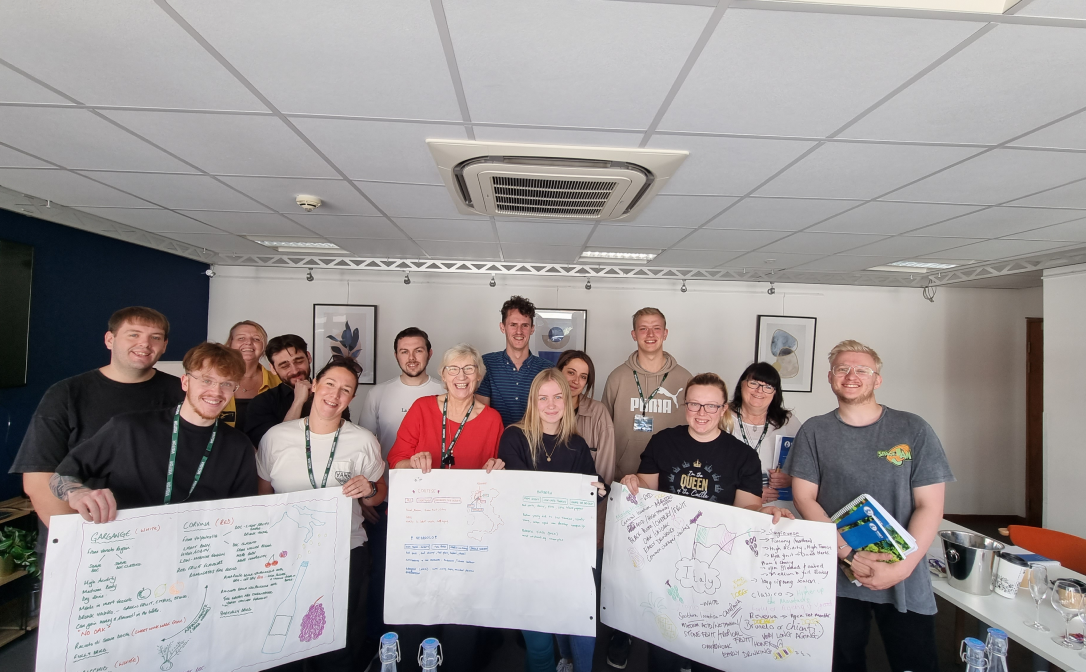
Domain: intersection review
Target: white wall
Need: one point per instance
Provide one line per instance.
(959, 363)
(1065, 373)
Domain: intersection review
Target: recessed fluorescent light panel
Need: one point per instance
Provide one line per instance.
(321, 246)
(629, 257)
(913, 266)
(971, 6)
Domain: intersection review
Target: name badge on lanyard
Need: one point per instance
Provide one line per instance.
(642, 423)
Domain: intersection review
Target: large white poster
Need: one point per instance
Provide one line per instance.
(239, 584)
(508, 549)
(718, 584)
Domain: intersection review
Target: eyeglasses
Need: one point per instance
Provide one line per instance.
(756, 386)
(864, 371)
(695, 407)
(228, 387)
(468, 370)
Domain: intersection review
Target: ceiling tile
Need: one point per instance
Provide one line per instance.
(573, 55)
(9, 158)
(803, 73)
(728, 239)
(152, 219)
(78, 139)
(820, 243)
(651, 237)
(778, 214)
(223, 243)
(557, 136)
(412, 200)
(14, 88)
(891, 217)
(66, 188)
(904, 247)
(1009, 81)
(544, 233)
(997, 249)
(1069, 196)
(843, 263)
(465, 230)
(349, 226)
(228, 143)
(770, 260)
(373, 247)
(542, 253)
(728, 166)
(849, 170)
(386, 151)
(685, 211)
(378, 58)
(189, 192)
(126, 52)
(997, 177)
(1061, 9)
(337, 196)
(1070, 231)
(999, 222)
(446, 249)
(693, 258)
(1068, 134)
(251, 223)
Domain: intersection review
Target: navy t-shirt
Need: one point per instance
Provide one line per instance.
(712, 470)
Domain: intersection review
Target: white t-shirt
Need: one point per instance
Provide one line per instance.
(768, 446)
(388, 402)
(280, 460)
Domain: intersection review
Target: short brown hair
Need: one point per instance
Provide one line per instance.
(850, 345)
(227, 362)
(645, 312)
(138, 315)
(249, 323)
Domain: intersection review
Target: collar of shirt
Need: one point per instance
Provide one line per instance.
(530, 357)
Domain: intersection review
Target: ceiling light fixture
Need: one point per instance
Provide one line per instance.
(309, 274)
(493, 281)
(588, 283)
(683, 290)
(407, 278)
(625, 256)
(772, 290)
(921, 264)
(210, 272)
(306, 244)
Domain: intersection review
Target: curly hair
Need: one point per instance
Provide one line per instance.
(519, 304)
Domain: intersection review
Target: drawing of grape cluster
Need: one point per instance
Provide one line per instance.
(752, 542)
(313, 622)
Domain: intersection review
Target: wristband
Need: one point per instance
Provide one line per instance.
(373, 493)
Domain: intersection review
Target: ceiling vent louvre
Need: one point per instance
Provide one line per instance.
(547, 181)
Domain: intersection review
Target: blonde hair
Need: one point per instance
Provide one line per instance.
(727, 419)
(247, 323)
(532, 424)
(856, 346)
(465, 350)
(646, 312)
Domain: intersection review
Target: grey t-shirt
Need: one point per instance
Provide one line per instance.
(886, 460)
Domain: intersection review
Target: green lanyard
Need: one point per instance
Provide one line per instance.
(743, 431)
(644, 401)
(309, 455)
(173, 456)
(447, 458)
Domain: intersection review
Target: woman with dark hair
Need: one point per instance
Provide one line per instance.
(762, 423)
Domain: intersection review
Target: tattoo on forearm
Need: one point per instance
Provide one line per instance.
(62, 485)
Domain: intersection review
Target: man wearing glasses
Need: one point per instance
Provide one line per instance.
(167, 456)
(864, 447)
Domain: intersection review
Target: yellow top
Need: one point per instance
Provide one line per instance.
(269, 379)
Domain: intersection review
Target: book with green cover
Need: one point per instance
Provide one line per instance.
(866, 506)
(867, 534)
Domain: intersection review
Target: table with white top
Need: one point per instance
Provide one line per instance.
(1010, 615)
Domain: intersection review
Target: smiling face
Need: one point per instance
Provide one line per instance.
(333, 392)
(854, 388)
(412, 355)
(136, 346)
(291, 365)
(207, 391)
(650, 333)
(517, 328)
(461, 385)
(247, 340)
(756, 399)
(576, 372)
(704, 423)
(551, 404)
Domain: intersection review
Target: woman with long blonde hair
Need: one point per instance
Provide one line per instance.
(546, 439)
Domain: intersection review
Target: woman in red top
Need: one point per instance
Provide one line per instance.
(424, 441)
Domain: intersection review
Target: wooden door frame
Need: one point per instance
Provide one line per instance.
(1034, 420)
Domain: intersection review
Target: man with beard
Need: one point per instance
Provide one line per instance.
(292, 398)
(865, 447)
(168, 456)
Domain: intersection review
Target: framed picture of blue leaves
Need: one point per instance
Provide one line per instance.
(788, 344)
(347, 330)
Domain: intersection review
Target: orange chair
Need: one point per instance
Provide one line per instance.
(1068, 549)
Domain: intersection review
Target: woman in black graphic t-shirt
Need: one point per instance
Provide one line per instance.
(701, 459)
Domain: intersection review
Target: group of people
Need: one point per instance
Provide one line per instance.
(127, 435)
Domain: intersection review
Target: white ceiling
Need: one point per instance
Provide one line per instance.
(822, 139)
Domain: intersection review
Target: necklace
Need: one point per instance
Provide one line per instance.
(552, 450)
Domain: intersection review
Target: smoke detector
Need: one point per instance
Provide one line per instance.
(552, 181)
(308, 203)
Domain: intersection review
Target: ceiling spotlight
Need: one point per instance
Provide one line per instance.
(683, 290)
(588, 283)
(772, 290)
(308, 203)
(210, 272)
(407, 278)
(309, 274)
(493, 281)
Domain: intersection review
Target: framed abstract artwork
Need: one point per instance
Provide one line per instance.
(788, 343)
(349, 330)
(558, 330)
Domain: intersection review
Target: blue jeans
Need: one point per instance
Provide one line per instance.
(579, 649)
(540, 651)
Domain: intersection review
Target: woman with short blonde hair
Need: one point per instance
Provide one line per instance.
(250, 339)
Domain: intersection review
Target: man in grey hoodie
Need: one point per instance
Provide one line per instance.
(643, 395)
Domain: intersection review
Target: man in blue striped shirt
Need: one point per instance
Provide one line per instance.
(509, 372)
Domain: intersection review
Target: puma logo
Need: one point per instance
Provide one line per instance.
(674, 397)
(656, 404)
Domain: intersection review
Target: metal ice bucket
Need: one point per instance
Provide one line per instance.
(970, 560)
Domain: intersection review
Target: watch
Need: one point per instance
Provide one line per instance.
(373, 492)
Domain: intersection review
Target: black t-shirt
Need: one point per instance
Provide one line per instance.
(267, 409)
(713, 470)
(72, 410)
(573, 458)
(131, 453)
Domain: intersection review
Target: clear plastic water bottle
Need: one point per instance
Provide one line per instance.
(430, 654)
(389, 653)
(997, 646)
(973, 654)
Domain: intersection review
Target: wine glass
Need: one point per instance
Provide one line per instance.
(1067, 599)
(1038, 589)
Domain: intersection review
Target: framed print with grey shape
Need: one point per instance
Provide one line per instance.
(558, 330)
(348, 330)
(788, 343)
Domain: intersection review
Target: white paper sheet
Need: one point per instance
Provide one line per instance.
(508, 549)
(718, 584)
(239, 584)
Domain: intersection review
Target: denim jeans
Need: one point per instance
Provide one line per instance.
(579, 649)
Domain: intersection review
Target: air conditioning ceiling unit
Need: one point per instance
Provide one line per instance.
(552, 181)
